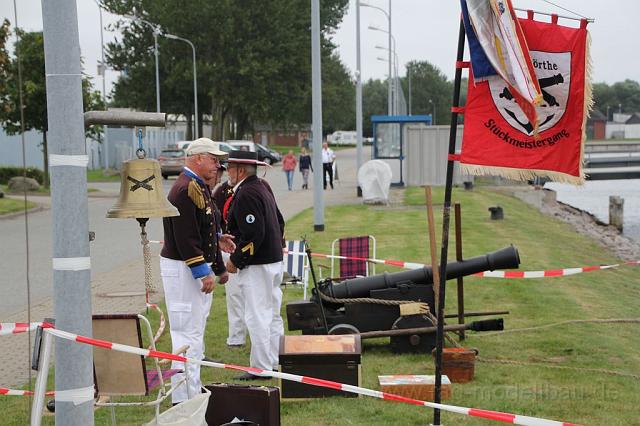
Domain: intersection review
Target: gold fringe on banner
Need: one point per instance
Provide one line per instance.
(519, 174)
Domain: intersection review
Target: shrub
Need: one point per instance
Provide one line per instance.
(7, 172)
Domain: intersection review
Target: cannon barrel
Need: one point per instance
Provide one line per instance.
(505, 258)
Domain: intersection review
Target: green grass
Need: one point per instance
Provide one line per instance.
(576, 396)
(98, 175)
(8, 205)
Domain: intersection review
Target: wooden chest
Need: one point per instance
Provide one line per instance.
(335, 358)
(415, 386)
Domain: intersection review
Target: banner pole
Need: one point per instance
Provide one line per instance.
(446, 213)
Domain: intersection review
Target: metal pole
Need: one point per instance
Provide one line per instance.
(358, 98)
(390, 95)
(69, 206)
(460, 281)
(41, 379)
(409, 75)
(103, 68)
(102, 64)
(446, 213)
(316, 83)
(434, 113)
(155, 46)
(195, 90)
(195, 81)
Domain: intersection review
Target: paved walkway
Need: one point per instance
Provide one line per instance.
(14, 350)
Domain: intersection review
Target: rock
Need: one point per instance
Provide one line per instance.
(1, 194)
(20, 183)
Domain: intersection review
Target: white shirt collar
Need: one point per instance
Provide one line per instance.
(235, 188)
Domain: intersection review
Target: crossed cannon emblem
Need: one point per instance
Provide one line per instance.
(141, 183)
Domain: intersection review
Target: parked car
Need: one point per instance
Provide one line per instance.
(171, 162)
(265, 154)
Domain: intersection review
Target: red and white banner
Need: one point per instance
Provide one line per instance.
(499, 138)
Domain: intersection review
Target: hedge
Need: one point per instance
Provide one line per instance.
(7, 172)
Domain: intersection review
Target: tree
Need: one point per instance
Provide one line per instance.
(623, 96)
(430, 88)
(374, 102)
(253, 58)
(30, 51)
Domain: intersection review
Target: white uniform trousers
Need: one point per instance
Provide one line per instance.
(188, 309)
(235, 309)
(260, 286)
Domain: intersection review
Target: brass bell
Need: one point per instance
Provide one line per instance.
(141, 192)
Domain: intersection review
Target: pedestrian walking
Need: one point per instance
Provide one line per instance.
(255, 221)
(305, 166)
(328, 157)
(289, 163)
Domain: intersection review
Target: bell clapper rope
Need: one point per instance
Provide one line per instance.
(146, 255)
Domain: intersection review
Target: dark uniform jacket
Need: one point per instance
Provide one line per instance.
(254, 219)
(220, 195)
(192, 236)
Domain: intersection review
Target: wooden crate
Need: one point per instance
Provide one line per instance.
(459, 364)
(414, 386)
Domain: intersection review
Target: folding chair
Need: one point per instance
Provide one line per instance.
(124, 374)
(363, 247)
(296, 264)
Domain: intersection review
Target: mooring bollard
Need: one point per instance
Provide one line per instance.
(616, 211)
(496, 213)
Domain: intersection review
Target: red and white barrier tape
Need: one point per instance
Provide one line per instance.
(19, 327)
(486, 414)
(487, 274)
(16, 392)
(549, 273)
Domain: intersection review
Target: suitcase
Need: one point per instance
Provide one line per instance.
(336, 358)
(254, 404)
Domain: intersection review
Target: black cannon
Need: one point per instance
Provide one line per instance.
(377, 315)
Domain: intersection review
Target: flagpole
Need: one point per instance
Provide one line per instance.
(446, 214)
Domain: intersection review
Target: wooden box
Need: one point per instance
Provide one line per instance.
(458, 364)
(415, 386)
(336, 358)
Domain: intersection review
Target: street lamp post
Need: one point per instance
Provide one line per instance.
(155, 47)
(358, 98)
(391, 49)
(395, 86)
(434, 111)
(195, 81)
(388, 15)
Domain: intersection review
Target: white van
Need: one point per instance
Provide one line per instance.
(342, 137)
(185, 144)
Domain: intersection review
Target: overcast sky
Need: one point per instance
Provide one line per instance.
(423, 29)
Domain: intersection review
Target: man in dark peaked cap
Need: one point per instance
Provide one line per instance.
(255, 221)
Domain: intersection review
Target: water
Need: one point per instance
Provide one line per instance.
(593, 197)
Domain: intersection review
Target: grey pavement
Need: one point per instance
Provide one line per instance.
(116, 256)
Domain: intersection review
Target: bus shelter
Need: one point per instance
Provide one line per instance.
(388, 141)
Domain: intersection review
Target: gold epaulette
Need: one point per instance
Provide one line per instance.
(196, 195)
